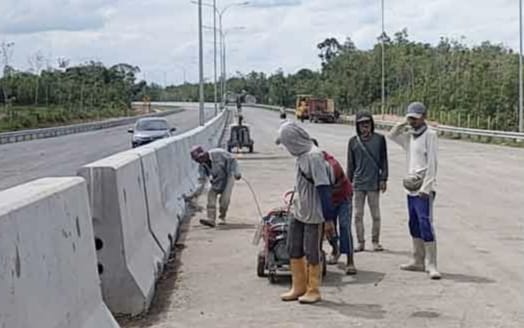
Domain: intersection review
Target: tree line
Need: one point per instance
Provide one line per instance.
(461, 85)
(46, 95)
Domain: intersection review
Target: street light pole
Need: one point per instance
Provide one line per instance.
(224, 64)
(215, 52)
(222, 46)
(521, 113)
(383, 109)
(200, 64)
(223, 101)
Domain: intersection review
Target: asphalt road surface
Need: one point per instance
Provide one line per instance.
(62, 156)
(479, 219)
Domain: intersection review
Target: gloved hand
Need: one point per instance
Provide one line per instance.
(383, 186)
(329, 229)
(238, 176)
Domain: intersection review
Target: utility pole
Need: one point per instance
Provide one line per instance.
(215, 52)
(383, 65)
(224, 63)
(221, 61)
(220, 13)
(521, 113)
(200, 64)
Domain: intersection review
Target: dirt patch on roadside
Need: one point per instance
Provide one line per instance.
(168, 281)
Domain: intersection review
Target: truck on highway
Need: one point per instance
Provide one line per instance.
(302, 107)
(316, 109)
(323, 110)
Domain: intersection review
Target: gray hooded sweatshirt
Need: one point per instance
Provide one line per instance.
(310, 160)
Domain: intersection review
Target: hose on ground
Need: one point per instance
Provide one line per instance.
(254, 194)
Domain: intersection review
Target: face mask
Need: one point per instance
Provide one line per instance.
(418, 132)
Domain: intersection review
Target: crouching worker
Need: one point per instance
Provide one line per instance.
(222, 169)
(312, 205)
(341, 242)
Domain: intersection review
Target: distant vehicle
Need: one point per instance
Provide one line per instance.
(302, 107)
(149, 129)
(316, 109)
(322, 110)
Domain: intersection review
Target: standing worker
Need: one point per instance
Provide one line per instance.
(222, 169)
(241, 98)
(421, 143)
(312, 209)
(283, 115)
(367, 169)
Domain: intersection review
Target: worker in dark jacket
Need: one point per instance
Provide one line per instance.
(367, 169)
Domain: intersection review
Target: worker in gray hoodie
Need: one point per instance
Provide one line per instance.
(312, 207)
(222, 169)
(367, 169)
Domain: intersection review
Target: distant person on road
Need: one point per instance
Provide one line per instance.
(312, 207)
(283, 115)
(341, 242)
(367, 169)
(420, 143)
(222, 169)
(241, 98)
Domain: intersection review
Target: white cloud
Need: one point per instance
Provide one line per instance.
(33, 16)
(274, 3)
(160, 36)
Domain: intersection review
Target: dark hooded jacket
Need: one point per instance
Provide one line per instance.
(367, 160)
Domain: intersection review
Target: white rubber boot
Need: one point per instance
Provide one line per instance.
(431, 260)
(417, 264)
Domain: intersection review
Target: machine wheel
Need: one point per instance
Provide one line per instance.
(272, 278)
(261, 265)
(229, 148)
(250, 149)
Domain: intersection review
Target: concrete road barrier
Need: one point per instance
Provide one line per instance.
(48, 271)
(165, 209)
(138, 199)
(129, 256)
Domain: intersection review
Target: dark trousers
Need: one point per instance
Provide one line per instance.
(421, 217)
(304, 240)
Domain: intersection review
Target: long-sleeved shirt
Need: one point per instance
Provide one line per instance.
(308, 205)
(223, 166)
(421, 153)
(364, 172)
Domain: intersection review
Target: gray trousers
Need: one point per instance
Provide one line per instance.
(304, 240)
(224, 200)
(359, 201)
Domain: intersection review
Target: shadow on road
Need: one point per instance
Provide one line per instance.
(425, 314)
(464, 278)
(339, 278)
(399, 253)
(235, 226)
(368, 311)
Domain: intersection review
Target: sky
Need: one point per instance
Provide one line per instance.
(161, 36)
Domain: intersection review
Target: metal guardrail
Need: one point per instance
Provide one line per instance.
(441, 129)
(26, 135)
